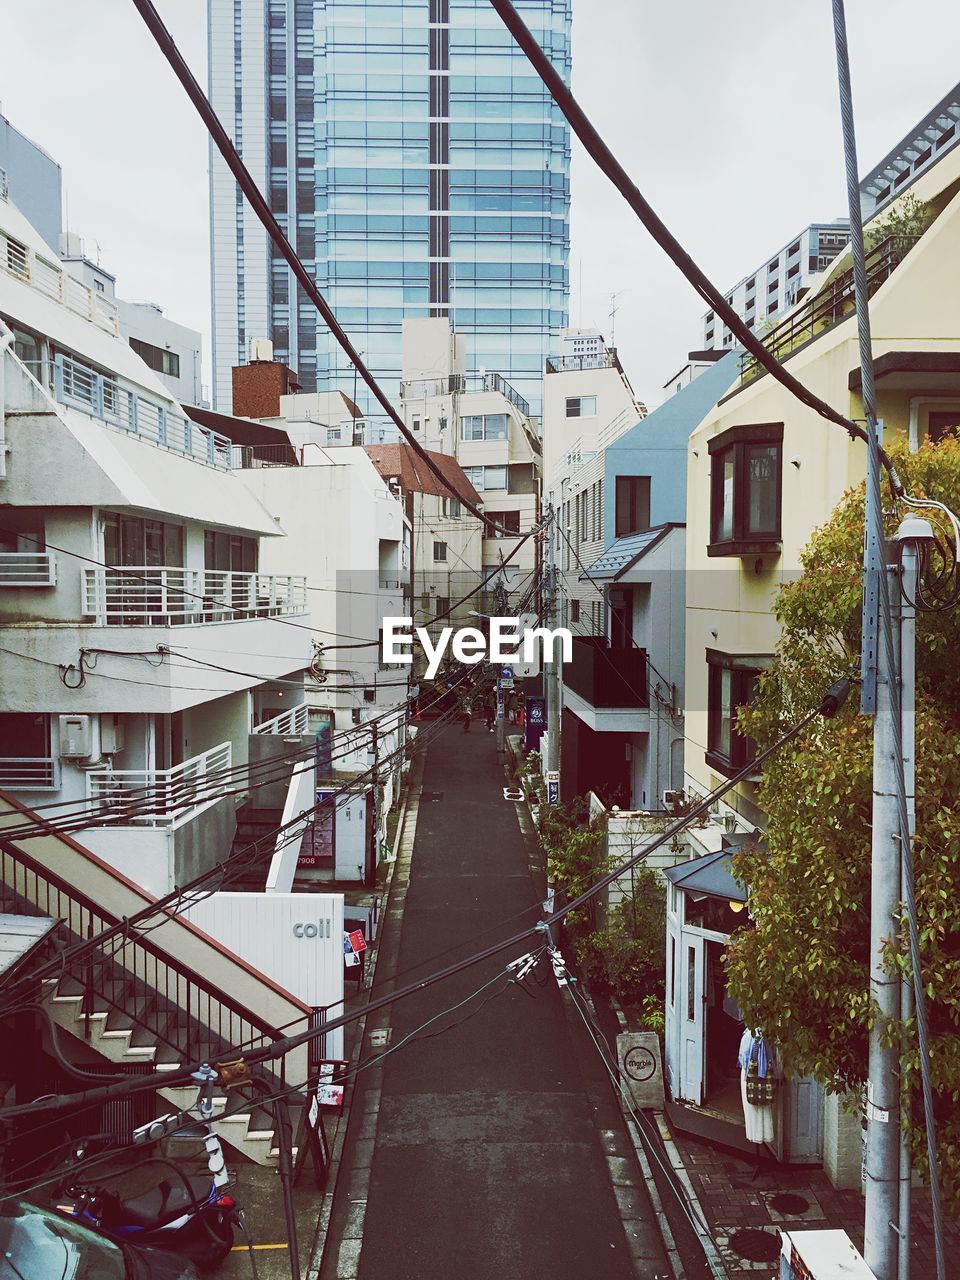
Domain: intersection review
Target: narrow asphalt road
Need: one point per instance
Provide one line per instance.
(487, 1158)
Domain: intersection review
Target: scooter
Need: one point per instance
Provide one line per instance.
(191, 1216)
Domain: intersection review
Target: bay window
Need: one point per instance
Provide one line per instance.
(745, 490)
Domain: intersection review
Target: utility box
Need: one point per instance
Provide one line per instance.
(76, 736)
(821, 1255)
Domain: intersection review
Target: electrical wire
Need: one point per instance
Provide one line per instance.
(282, 1046)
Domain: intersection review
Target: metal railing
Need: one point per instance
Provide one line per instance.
(81, 387)
(827, 308)
(245, 456)
(454, 383)
(28, 569)
(293, 720)
(606, 359)
(173, 795)
(48, 277)
(167, 595)
(140, 984)
(29, 773)
(389, 584)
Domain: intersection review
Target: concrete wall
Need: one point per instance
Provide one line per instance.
(146, 321)
(33, 181)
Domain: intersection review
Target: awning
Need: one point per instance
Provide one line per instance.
(624, 554)
(709, 875)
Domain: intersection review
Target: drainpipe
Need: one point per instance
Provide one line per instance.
(6, 337)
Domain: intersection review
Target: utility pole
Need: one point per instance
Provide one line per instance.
(370, 879)
(552, 670)
(880, 1248)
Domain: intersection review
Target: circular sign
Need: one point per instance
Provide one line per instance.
(639, 1063)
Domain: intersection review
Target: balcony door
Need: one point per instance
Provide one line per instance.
(621, 618)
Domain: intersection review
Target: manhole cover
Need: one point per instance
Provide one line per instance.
(431, 796)
(755, 1246)
(789, 1202)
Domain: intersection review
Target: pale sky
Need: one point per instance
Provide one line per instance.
(725, 115)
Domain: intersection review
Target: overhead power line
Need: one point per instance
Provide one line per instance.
(601, 154)
(261, 208)
(284, 1045)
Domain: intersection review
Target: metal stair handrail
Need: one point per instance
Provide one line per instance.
(139, 979)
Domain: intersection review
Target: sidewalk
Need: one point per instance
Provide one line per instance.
(740, 1203)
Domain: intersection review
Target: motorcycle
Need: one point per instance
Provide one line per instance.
(191, 1216)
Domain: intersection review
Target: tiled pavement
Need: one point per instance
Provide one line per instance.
(733, 1199)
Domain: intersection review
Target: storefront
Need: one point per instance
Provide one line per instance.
(703, 1026)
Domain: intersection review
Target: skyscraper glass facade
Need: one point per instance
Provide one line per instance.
(418, 166)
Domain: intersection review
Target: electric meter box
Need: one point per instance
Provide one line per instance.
(821, 1255)
(76, 735)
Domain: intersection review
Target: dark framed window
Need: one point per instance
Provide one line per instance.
(746, 490)
(439, 551)
(509, 521)
(632, 505)
(581, 406)
(731, 684)
(157, 358)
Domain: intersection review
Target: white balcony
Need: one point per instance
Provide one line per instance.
(167, 595)
(292, 721)
(162, 797)
(29, 773)
(28, 569)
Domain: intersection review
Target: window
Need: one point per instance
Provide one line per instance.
(443, 606)
(451, 508)
(440, 551)
(731, 684)
(794, 248)
(793, 270)
(581, 406)
(333, 435)
(506, 520)
(745, 483)
(633, 505)
(98, 285)
(941, 424)
(574, 610)
(487, 426)
(416, 424)
(157, 358)
(486, 477)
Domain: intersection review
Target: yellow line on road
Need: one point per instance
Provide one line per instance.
(242, 1248)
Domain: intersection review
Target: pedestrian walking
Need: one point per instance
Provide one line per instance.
(491, 716)
(467, 715)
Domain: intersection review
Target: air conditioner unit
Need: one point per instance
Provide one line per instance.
(673, 798)
(76, 736)
(111, 735)
(261, 349)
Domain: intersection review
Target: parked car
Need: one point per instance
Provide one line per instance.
(40, 1244)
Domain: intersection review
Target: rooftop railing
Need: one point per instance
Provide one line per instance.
(167, 595)
(49, 278)
(606, 359)
(827, 308)
(80, 387)
(454, 383)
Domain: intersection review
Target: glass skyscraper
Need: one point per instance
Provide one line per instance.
(417, 164)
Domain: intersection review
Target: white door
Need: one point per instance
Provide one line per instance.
(690, 1011)
(671, 1024)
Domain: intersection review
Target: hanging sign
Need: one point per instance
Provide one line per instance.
(553, 786)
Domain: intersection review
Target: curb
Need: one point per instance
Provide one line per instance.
(700, 1218)
(349, 1257)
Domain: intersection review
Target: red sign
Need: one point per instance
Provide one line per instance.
(357, 940)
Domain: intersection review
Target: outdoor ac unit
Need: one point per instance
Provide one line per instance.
(672, 798)
(261, 349)
(76, 736)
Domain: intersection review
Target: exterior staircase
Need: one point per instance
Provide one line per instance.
(168, 997)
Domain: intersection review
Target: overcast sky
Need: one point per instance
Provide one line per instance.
(725, 115)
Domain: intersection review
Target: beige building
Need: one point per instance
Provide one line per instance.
(764, 471)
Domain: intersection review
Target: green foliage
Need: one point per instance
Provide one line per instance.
(619, 950)
(908, 217)
(802, 973)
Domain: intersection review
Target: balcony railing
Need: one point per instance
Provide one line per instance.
(462, 382)
(292, 721)
(607, 677)
(245, 456)
(606, 359)
(82, 388)
(50, 279)
(28, 569)
(164, 595)
(829, 307)
(29, 773)
(162, 797)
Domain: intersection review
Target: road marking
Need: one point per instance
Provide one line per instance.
(242, 1248)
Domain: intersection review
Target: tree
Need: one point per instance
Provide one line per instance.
(802, 972)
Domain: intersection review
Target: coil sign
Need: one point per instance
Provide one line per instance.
(320, 929)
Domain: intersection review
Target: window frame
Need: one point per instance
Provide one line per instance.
(743, 671)
(639, 499)
(578, 401)
(437, 547)
(737, 443)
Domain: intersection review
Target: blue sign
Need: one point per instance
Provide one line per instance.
(506, 673)
(534, 722)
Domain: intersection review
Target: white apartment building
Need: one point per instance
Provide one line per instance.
(171, 350)
(141, 640)
(485, 424)
(777, 284)
(588, 403)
